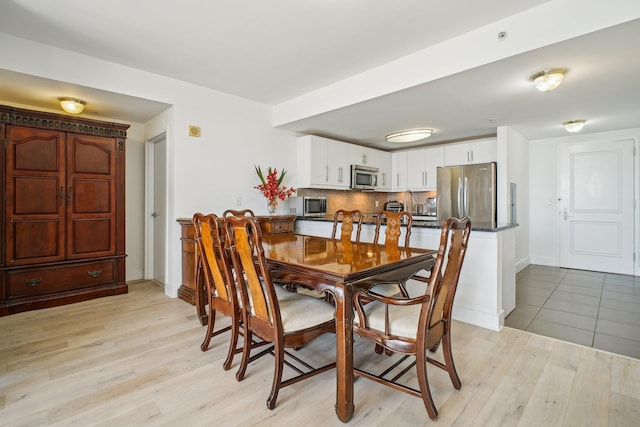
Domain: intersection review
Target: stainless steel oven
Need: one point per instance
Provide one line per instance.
(307, 206)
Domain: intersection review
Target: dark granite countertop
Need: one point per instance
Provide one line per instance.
(371, 219)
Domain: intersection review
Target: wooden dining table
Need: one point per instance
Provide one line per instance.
(340, 267)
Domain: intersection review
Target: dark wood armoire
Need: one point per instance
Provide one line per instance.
(63, 209)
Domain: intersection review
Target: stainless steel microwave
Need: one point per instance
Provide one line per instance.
(364, 177)
(307, 206)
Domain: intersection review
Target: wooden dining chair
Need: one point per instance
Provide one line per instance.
(392, 232)
(347, 221)
(220, 285)
(238, 213)
(286, 319)
(412, 326)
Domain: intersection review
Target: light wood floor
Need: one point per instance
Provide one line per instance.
(135, 359)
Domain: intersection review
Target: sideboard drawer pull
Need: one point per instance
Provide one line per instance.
(95, 273)
(33, 282)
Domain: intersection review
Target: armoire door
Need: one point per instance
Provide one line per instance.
(35, 196)
(91, 196)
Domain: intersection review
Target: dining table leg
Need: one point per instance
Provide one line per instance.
(344, 351)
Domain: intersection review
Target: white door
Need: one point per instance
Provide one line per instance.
(596, 206)
(156, 209)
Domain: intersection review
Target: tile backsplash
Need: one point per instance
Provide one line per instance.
(364, 201)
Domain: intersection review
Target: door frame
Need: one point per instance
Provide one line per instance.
(149, 205)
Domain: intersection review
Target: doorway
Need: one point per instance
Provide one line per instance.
(156, 209)
(596, 227)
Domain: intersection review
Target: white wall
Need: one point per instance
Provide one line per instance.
(135, 201)
(513, 150)
(205, 174)
(544, 190)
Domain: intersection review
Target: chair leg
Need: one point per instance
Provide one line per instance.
(277, 375)
(235, 331)
(246, 354)
(423, 381)
(448, 360)
(211, 321)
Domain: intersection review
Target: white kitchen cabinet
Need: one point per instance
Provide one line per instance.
(481, 151)
(399, 170)
(422, 168)
(323, 163)
(339, 155)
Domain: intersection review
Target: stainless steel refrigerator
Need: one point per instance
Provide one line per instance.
(468, 190)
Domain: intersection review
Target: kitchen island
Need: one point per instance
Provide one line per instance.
(486, 288)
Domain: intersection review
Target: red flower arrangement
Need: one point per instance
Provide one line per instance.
(271, 188)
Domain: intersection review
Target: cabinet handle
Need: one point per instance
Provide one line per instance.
(326, 177)
(425, 178)
(61, 196)
(69, 195)
(472, 155)
(33, 282)
(95, 273)
(340, 174)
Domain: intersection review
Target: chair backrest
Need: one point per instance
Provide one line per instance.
(454, 238)
(394, 221)
(215, 262)
(253, 274)
(349, 220)
(239, 214)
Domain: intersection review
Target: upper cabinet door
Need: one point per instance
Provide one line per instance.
(422, 168)
(433, 159)
(399, 171)
(339, 155)
(323, 163)
(482, 151)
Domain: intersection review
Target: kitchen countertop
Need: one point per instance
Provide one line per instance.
(417, 223)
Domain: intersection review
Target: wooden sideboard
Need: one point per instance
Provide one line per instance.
(276, 224)
(269, 224)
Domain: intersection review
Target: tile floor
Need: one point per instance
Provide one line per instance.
(598, 310)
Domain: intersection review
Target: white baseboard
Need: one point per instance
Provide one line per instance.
(520, 265)
(477, 318)
(542, 260)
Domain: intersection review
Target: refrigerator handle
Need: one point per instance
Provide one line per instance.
(466, 196)
(460, 195)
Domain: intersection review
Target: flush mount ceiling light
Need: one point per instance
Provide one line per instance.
(409, 135)
(72, 105)
(548, 80)
(574, 126)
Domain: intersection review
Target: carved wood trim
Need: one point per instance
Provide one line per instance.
(43, 120)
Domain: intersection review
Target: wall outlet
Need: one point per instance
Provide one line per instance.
(238, 201)
(377, 204)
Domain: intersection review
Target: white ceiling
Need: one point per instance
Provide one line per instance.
(273, 51)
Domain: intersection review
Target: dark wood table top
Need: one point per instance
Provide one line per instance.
(338, 260)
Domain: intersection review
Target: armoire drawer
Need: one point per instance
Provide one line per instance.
(39, 281)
